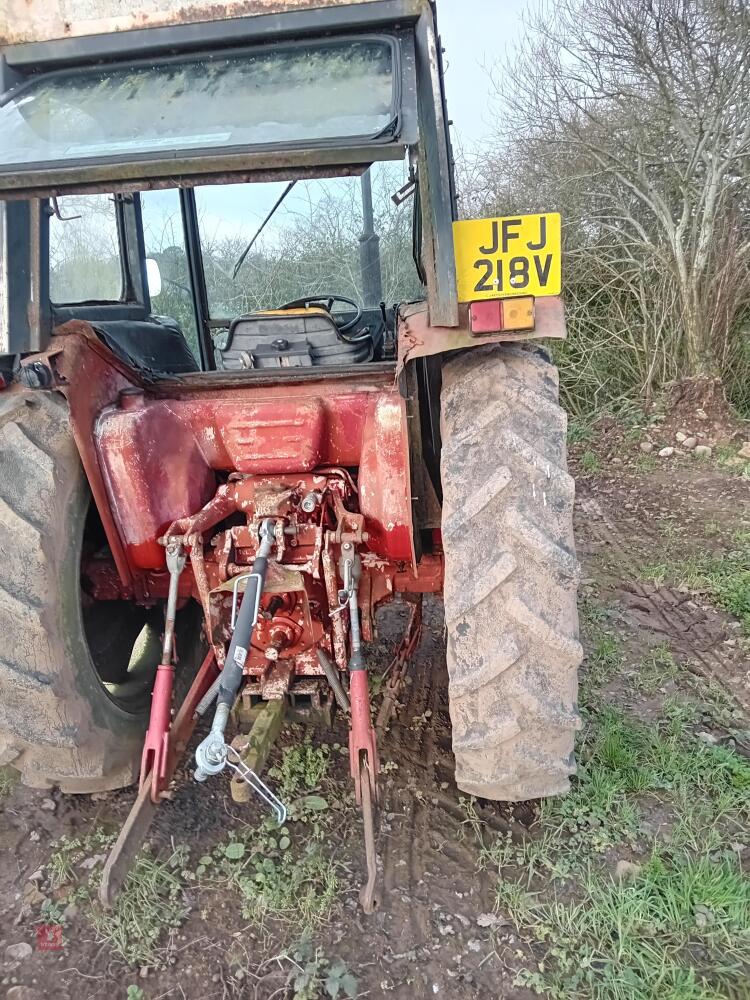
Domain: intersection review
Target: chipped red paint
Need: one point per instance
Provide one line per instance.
(153, 460)
(278, 430)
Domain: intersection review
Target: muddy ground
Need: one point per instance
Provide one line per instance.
(442, 929)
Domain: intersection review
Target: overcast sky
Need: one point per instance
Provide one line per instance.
(476, 35)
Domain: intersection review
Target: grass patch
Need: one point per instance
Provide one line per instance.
(590, 462)
(285, 876)
(678, 926)
(725, 579)
(9, 778)
(728, 460)
(656, 668)
(580, 430)
(288, 875)
(603, 648)
(151, 906)
(678, 930)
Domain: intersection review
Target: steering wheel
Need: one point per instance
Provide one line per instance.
(328, 302)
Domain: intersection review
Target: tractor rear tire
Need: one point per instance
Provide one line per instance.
(511, 574)
(59, 724)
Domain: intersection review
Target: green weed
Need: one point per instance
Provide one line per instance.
(315, 976)
(590, 462)
(603, 649)
(61, 868)
(656, 668)
(293, 885)
(303, 766)
(286, 875)
(150, 906)
(580, 430)
(9, 778)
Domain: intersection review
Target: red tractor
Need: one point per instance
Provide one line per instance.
(213, 476)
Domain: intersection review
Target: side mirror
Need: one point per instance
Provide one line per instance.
(153, 278)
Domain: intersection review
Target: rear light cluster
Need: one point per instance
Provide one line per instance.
(498, 315)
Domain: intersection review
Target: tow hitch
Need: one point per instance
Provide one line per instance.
(156, 745)
(268, 621)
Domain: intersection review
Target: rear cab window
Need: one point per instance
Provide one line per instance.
(84, 253)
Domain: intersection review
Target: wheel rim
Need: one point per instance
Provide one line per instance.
(123, 639)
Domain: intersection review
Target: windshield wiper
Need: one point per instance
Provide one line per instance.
(263, 225)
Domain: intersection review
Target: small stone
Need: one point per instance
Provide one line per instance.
(445, 930)
(680, 437)
(626, 870)
(143, 972)
(474, 944)
(703, 916)
(647, 447)
(709, 738)
(88, 863)
(22, 993)
(666, 453)
(34, 836)
(703, 451)
(49, 805)
(18, 952)
(744, 452)
(616, 461)
(37, 876)
(701, 414)
(690, 443)
(487, 920)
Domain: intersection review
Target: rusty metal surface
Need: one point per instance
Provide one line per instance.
(417, 339)
(168, 182)
(24, 21)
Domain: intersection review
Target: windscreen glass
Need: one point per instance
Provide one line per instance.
(309, 245)
(297, 93)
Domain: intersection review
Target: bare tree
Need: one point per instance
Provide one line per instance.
(633, 116)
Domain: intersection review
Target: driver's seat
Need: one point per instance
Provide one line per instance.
(289, 338)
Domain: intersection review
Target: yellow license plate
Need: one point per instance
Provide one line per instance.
(517, 255)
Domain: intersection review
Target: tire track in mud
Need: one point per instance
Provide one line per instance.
(664, 610)
(429, 854)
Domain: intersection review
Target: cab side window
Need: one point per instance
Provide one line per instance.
(85, 260)
(164, 240)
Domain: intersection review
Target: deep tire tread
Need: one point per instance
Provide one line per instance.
(511, 574)
(47, 726)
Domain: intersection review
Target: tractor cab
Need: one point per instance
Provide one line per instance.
(242, 168)
(256, 382)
